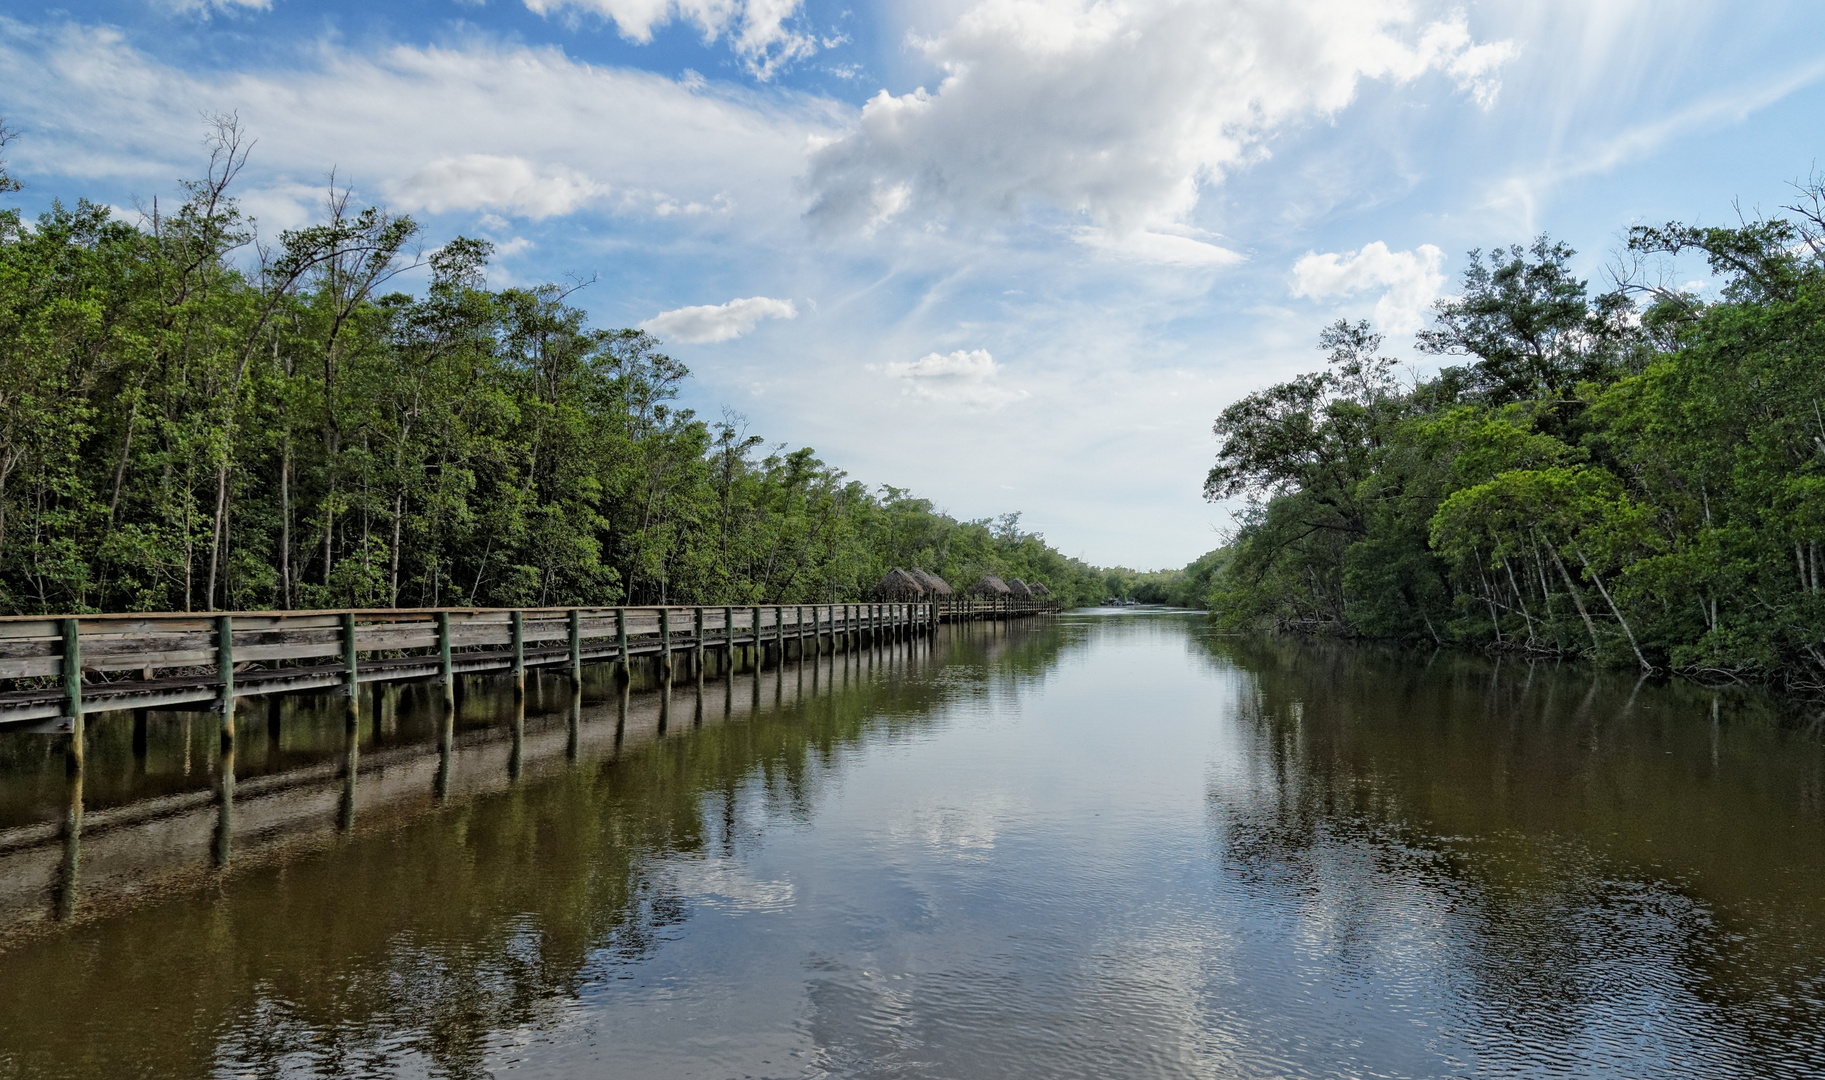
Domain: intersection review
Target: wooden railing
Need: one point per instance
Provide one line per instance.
(58, 668)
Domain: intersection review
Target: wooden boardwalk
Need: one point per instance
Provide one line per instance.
(54, 670)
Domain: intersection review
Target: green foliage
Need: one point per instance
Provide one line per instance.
(189, 421)
(1638, 482)
(1188, 587)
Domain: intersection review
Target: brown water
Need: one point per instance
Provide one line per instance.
(1099, 845)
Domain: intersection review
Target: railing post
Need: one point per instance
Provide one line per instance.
(352, 714)
(626, 661)
(576, 646)
(665, 643)
(516, 629)
(728, 633)
(697, 650)
(446, 662)
(759, 654)
(798, 615)
(224, 662)
(72, 684)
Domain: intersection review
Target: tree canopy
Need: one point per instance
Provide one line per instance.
(194, 418)
(1636, 476)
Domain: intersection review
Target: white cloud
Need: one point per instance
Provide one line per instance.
(486, 127)
(1409, 281)
(1119, 111)
(717, 322)
(1165, 249)
(756, 29)
(490, 181)
(209, 7)
(970, 377)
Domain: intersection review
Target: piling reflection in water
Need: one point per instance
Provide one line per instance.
(1088, 847)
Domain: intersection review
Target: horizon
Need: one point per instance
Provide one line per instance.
(983, 226)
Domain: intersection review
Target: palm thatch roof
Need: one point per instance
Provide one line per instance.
(1019, 589)
(990, 586)
(934, 584)
(1039, 590)
(900, 585)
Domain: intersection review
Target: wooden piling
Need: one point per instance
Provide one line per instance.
(352, 688)
(576, 646)
(622, 660)
(665, 644)
(446, 664)
(224, 662)
(516, 630)
(697, 650)
(72, 682)
(728, 633)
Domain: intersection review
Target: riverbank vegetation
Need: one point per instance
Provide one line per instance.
(1636, 476)
(1188, 586)
(193, 418)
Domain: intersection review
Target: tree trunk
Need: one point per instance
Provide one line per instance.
(285, 521)
(398, 513)
(1576, 599)
(1597, 581)
(1519, 599)
(120, 466)
(217, 527)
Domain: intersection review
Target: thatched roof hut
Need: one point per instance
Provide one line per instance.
(1020, 590)
(900, 585)
(1039, 590)
(990, 586)
(934, 585)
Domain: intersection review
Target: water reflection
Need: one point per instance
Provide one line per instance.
(1601, 851)
(1091, 846)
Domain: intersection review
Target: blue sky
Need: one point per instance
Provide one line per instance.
(1012, 254)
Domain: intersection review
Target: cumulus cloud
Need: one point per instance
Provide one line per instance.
(970, 377)
(708, 323)
(756, 30)
(1120, 112)
(1409, 281)
(493, 182)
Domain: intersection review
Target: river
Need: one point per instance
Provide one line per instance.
(1106, 844)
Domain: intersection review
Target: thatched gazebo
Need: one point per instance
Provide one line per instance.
(934, 585)
(1020, 590)
(991, 586)
(900, 585)
(1039, 590)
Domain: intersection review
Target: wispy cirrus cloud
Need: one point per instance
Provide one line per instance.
(486, 126)
(758, 31)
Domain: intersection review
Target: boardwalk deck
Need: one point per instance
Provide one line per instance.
(152, 661)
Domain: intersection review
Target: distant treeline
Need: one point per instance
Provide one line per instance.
(1637, 476)
(191, 419)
